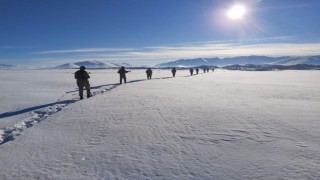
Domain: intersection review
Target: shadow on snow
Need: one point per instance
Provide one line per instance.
(9, 114)
(41, 112)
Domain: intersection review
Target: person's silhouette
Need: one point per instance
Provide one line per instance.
(191, 71)
(82, 81)
(122, 73)
(197, 70)
(173, 72)
(149, 73)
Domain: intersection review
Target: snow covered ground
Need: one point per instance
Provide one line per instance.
(221, 125)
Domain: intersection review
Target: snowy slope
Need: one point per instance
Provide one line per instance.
(67, 66)
(92, 65)
(314, 60)
(122, 64)
(221, 125)
(25, 91)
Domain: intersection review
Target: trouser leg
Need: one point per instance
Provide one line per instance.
(80, 86)
(88, 93)
(125, 80)
(81, 92)
(87, 86)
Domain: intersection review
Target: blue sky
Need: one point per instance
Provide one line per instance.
(53, 32)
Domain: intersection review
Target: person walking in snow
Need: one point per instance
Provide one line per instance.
(122, 72)
(197, 70)
(191, 71)
(82, 81)
(173, 72)
(149, 73)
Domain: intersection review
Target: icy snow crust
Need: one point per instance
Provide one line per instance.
(221, 125)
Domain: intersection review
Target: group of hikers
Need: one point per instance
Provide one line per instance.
(149, 73)
(82, 77)
(197, 70)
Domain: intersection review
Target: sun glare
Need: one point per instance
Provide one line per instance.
(237, 12)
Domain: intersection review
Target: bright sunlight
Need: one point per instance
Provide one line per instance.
(237, 12)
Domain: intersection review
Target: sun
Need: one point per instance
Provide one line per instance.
(237, 12)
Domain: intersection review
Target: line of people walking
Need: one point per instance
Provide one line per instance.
(149, 73)
(82, 77)
(197, 70)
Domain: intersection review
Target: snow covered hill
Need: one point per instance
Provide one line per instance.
(284, 60)
(314, 60)
(188, 62)
(92, 65)
(220, 125)
(122, 64)
(67, 66)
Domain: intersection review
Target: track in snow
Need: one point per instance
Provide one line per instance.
(9, 133)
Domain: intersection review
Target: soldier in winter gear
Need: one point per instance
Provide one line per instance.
(149, 73)
(122, 73)
(82, 81)
(174, 72)
(191, 71)
(197, 70)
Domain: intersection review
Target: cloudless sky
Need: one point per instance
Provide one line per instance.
(52, 32)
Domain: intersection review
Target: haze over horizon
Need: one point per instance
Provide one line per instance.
(144, 32)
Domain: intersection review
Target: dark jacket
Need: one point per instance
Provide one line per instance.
(81, 75)
(149, 72)
(122, 72)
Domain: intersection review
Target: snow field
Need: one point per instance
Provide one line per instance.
(45, 86)
(221, 125)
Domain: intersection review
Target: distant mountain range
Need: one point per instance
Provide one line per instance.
(5, 66)
(270, 67)
(241, 60)
(198, 62)
(92, 65)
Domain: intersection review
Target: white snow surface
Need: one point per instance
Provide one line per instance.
(220, 125)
